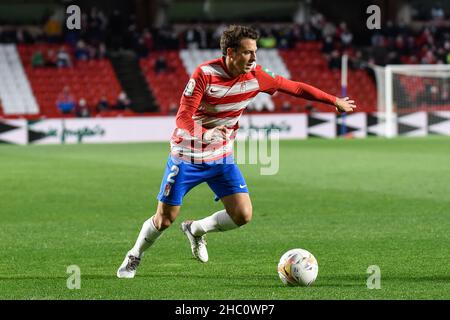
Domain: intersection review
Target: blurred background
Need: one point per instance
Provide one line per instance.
(93, 110)
(133, 58)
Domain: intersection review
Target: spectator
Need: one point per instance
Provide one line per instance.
(393, 58)
(346, 38)
(101, 51)
(269, 105)
(103, 104)
(437, 13)
(284, 38)
(50, 59)
(263, 105)
(447, 49)
(328, 30)
(428, 58)
(148, 39)
(328, 45)
(405, 13)
(286, 107)
(63, 58)
(173, 108)
(160, 65)
(37, 60)
(65, 101)
(309, 33)
(202, 36)
(268, 40)
(192, 38)
(82, 109)
(53, 27)
(357, 62)
(335, 60)
(123, 102)
(309, 108)
(141, 48)
(81, 52)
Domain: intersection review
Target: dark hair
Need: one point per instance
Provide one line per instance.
(232, 36)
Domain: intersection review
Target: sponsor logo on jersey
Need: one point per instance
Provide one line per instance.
(189, 90)
(270, 73)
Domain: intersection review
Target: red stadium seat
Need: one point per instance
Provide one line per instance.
(87, 79)
(306, 63)
(166, 86)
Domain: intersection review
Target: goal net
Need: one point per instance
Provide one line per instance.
(411, 89)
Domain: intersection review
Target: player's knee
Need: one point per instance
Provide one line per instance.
(244, 215)
(162, 222)
(165, 223)
(165, 216)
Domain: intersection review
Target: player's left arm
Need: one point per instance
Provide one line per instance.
(270, 83)
(306, 91)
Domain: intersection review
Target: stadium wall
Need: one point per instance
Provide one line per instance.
(159, 129)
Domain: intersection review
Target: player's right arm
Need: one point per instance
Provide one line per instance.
(190, 101)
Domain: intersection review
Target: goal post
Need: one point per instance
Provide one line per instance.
(405, 89)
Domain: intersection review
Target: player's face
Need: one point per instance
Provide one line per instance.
(243, 58)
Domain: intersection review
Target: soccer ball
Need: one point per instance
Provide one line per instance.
(298, 267)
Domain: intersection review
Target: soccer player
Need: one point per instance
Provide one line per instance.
(202, 143)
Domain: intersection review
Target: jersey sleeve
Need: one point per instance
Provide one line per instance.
(271, 83)
(306, 91)
(267, 80)
(189, 103)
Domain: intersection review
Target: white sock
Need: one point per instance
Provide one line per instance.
(219, 221)
(146, 238)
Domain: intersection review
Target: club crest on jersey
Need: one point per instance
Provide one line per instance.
(189, 90)
(243, 86)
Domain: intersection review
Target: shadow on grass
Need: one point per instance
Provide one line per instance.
(246, 280)
(15, 278)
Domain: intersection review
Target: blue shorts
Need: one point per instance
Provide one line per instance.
(224, 178)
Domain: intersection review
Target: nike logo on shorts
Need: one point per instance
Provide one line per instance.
(242, 186)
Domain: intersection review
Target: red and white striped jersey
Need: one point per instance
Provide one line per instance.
(214, 98)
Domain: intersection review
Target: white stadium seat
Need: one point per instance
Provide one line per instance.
(267, 58)
(15, 90)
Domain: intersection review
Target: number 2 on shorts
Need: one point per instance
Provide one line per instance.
(173, 172)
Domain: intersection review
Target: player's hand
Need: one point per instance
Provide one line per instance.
(216, 134)
(345, 105)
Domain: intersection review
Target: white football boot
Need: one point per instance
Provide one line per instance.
(198, 244)
(128, 267)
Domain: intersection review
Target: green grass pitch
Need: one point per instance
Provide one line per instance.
(352, 203)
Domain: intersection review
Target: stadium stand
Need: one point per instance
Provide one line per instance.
(307, 50)
(166, 85)
(88, 80)
(307, 63)
(92, 79)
